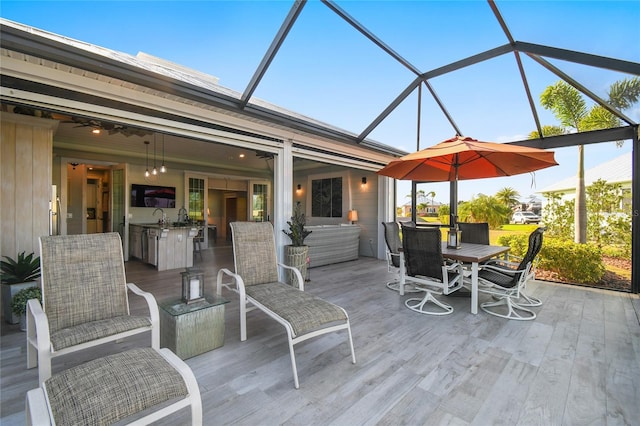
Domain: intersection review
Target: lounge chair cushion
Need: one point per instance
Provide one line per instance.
(87, 332)
(305, 312)
(106, 390)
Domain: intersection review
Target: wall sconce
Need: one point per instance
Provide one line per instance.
(352, 216)
(364, 180)
(299, 188)
(192, 285)
(95, 130)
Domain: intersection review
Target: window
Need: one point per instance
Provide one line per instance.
(196, 199)
(326, 197)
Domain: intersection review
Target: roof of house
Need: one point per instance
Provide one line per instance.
(617, 170)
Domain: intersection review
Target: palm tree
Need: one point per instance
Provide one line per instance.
(509, 197)
(570, 108)
(485, 208)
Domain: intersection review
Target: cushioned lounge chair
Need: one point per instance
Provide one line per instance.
(258, 285)
(84, 299)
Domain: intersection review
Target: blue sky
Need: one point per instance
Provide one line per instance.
(328, 71)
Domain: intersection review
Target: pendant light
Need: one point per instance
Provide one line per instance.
(146, 172)
(155, 170)
(163, 169)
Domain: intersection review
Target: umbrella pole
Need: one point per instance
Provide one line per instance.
(453, 197)
(414, 202)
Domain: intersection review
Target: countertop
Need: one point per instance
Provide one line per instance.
(173, 225)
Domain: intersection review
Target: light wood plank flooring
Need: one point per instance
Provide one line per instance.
(577, 363)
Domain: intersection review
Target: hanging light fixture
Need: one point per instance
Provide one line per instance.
(163, 169)
(146, 172)
(155, 170)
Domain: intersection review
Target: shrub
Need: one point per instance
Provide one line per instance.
(573, 262)
(616, 252)
(19, 301)
(24, 268)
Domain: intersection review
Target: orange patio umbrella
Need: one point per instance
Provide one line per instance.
(461, 158)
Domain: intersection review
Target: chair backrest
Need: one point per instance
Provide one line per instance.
(422, 249)
(83, 279)
(475, 233)
(535, 244)
(392, 238)
(254, 252)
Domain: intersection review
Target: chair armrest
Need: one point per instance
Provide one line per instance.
(150, 299)
(36, 408)
(450, 266)
(501, 263)
(38, 334)
(237, 279)
(154, 314)
(503, 270)
(297, 274)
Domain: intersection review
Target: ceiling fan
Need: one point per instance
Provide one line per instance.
(110, 128)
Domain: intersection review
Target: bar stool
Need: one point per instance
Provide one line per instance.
(197, 243)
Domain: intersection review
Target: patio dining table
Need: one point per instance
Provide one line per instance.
(470, 254)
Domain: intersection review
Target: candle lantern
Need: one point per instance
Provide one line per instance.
(453, 238)
(192, 285)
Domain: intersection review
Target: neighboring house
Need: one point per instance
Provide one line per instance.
(616, 171)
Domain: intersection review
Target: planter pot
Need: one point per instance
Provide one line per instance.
(8, 291)
(23, 322)
(296, 257)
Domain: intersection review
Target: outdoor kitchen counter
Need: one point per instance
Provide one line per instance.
(164, 246)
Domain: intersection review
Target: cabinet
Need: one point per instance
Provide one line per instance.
(135, 241)
(165, 248)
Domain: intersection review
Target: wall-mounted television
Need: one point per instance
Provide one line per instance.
(153, 196)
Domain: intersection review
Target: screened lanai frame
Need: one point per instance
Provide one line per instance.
(538, 53)
(246, 104)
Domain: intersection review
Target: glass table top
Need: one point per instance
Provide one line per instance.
(177, 307)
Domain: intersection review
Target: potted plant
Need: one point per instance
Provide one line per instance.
(19, 303)
(297, 253)
(17, 275)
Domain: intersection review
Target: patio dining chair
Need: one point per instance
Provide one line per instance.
(475, 233)
(394, 246)
(84, 299)
(428, 270)
(506, 280)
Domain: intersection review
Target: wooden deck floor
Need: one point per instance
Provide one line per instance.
(577, 363)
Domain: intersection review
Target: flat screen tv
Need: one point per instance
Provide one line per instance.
(153, 196)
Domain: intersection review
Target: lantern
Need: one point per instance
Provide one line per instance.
(192, 285)
(453, 238)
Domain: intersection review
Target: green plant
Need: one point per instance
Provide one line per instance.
(572, 262)
(25, 268)
(297, 233)
(19, 301)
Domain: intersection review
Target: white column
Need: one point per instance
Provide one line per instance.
(282, 195)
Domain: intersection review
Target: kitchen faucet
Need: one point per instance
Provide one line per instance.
(164, 216)
(182, 215)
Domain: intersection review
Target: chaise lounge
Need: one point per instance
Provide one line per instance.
(257, 283)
